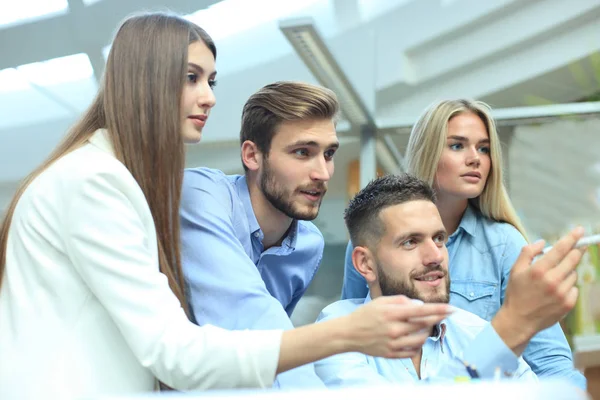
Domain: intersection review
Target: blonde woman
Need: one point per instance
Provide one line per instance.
(454, 146)
(92, 300)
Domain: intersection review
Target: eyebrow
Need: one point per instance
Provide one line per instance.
(464, 139)
(200, 69)
(312, 143)
(418, 235)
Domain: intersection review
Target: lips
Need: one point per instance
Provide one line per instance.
(473, 174)
(431, 276)
(314, 194)
(198, 120)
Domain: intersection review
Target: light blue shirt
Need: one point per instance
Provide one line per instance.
(232, 281)
(462, 337)
(481, 255)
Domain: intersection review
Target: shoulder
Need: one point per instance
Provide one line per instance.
(205, 177)
(340, 308)
(90, 164)
(207, 183)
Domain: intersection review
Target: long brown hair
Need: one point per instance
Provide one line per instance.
(139, 105)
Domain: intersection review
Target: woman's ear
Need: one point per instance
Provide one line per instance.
(251, 156)
(364, 263)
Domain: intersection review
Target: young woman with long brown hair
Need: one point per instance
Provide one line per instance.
(92, 298)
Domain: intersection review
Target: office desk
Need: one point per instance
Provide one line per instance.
(507, 390)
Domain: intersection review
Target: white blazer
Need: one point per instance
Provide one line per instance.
(84, 310)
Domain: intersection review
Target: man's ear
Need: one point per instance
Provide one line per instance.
(364, 263)
(251, 156)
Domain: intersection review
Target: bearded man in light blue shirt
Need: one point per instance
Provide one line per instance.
(249, 248)
(400, 249)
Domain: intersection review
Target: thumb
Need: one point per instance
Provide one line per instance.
(528, 253)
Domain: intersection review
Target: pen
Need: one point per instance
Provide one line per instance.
(586, 241)
(471, 370)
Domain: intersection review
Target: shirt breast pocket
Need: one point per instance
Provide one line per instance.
(475, 296)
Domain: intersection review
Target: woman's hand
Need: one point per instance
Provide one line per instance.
(393, 326)
(389, 326)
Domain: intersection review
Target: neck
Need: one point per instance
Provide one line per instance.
(273, 223)
(451, 210)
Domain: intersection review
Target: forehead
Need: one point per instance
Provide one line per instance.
(320, 131)
(467, 123)
(200, 54)
(417, 216)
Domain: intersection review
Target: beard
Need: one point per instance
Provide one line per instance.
(282, 199)
(392, 287)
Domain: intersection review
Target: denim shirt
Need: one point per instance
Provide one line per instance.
(462, 337)
(481, 254)
(232, 281)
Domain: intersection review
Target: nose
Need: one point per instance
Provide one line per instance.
(432, 255)
(206, 97)
(473, 158)
(322, 170)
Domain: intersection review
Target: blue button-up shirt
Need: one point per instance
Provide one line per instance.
(481, 255)
(232, 281)
(462, 337)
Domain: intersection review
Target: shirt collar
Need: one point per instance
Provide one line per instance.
(244, 193)
(468, 222)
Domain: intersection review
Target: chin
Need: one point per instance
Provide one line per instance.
(307, 214)
(192, 138)
(470, 193)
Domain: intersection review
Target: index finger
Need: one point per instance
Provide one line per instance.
(560, 250)
(408, 311)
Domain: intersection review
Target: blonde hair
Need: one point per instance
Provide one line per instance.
(284, 101)
(427, 141)
(139, 105)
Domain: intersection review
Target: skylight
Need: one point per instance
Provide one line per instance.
(228, 17)
(46, 73)
(58, 70)
(12, 80)
(18, 12)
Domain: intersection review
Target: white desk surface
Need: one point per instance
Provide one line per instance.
(506, 390)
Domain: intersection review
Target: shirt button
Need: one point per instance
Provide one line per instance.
(472, 294)
(256, 234)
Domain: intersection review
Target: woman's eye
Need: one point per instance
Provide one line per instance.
(193, 78)
(456, 146)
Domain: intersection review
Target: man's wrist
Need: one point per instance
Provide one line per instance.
(514, 332)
